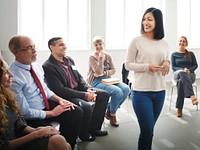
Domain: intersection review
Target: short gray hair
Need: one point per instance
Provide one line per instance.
(14, 43)
(97, 39)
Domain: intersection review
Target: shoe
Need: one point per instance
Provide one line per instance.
(99, 133)
(87, 137)
(195, 102)
(113, 121)
(107, 114)
(179, 112)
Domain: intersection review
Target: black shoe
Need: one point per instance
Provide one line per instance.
(87, 137)
(99, 133)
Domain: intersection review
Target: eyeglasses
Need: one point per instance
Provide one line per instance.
(28, 48)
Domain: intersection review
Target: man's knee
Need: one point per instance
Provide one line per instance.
(103, 94)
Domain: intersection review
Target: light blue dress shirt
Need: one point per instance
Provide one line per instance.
(27, 93)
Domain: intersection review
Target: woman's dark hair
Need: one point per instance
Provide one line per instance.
(159, 29)
(187, 53)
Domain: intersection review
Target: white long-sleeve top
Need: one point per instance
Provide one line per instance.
(141, 53)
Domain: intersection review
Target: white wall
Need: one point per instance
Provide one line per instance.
(81, 59)
(9, 27)
(197, 54)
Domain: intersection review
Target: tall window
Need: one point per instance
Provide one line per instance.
(123, 20)
(70, 19)
(188, 23)
(115, 24)
(48, 18)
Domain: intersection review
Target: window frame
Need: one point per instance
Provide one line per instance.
(43, 37)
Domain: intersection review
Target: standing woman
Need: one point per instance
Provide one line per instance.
(14, 132)
(101, 67)
(184, 64)
(147, 57)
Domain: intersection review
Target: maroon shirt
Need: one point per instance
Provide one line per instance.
(69, 73)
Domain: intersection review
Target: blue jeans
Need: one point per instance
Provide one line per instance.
(118, 93)
(147, 107)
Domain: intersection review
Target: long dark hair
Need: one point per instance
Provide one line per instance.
(159, 29)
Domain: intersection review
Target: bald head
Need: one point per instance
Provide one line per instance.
(23, 49)
(16, 43)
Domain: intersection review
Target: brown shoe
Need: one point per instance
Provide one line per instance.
(113, 121)
(179, 112)
(107, 114)
(195, 102)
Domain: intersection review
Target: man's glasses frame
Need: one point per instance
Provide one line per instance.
(31, 47)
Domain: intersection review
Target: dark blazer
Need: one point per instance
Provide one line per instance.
(56, 79)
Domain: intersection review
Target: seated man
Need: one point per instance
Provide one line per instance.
(63, 78)
(14, 132)
(32, 93)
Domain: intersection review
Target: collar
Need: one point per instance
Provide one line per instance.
(65, 59)
(23, 66)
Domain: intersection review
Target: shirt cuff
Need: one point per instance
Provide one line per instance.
(42, 114)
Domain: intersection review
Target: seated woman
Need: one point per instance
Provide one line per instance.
(101, 67)
(14, 132)
(184, 64)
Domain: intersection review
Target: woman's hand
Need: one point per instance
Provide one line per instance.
(155, 68)
(47, 131)
(187, 70)
(101, 54)
(165, 67)
(98, 75)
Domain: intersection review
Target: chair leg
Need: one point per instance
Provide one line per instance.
(170, 102)
(196, 96)
(172, 90)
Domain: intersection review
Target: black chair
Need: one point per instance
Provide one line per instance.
(125, 74)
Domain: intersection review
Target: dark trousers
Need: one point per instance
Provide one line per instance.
(184, 88)
(70, 122)
(99, 109)
(93, 115)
